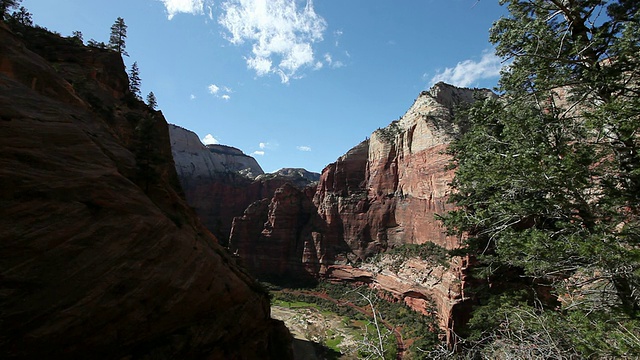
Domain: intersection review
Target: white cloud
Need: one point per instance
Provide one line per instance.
(468, 72)
(304, 148)
(265, 146)
(221, 92)
(194, 7)
(337, 34)
(192, 97)
(334, 64)
(213, 88)
(210, 140)
(281, 35)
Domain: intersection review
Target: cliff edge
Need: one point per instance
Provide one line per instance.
(101, 256)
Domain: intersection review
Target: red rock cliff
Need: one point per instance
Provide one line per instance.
(383, 193)
(387, 191)
(101, 258)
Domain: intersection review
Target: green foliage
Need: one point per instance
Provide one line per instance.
(423, 330)
(388, 134)
(427, 252)
(134, 81)
(6, 5)
(118, 36)
(22, 17)
(152, 102)
(526, 332)
(547, 177)
(77, 36)
(95, 44)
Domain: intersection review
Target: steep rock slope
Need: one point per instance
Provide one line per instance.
(93, 265)
(274, 238)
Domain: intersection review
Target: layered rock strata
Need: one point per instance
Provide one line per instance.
(196, 162)
(220, 182)
(101, 256)
(383, 193)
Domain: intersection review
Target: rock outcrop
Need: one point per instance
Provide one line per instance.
(383, 193)
(196, 162)
(220, 181)
(101, 256)
(274, 237)
(386, 191)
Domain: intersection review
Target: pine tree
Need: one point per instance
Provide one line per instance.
(77, 35)
(22, 17)
(118, 36)
(134, 80)
(548, 177)
(6, 5)
(151, 101)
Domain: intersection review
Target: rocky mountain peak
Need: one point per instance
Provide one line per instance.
(193, 159)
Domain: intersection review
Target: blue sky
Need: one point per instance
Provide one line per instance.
(293, 83)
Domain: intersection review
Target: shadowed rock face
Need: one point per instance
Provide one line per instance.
(274, 236)
(101, 259)
(220, 181)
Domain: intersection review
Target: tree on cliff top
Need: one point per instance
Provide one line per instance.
(21, 17)
(547, 178)
(118, 36)
(6, 5)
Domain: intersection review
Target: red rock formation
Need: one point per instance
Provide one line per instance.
(389, 188)
(403, 186)
(219, 181)
(274, 237)
(418, 283)
(383, 193)
(93, 266)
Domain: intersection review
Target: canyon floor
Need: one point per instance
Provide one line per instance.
(320, 334)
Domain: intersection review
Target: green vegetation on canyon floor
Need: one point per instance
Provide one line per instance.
(401, 329)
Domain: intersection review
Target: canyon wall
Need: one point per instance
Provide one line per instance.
(220, 182)
(102, 258)
(383, 193)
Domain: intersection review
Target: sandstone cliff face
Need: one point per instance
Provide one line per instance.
(220, 181)
(94, 266)
(274, 236)
(196, 162)
(389, 189)
(383, 193)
